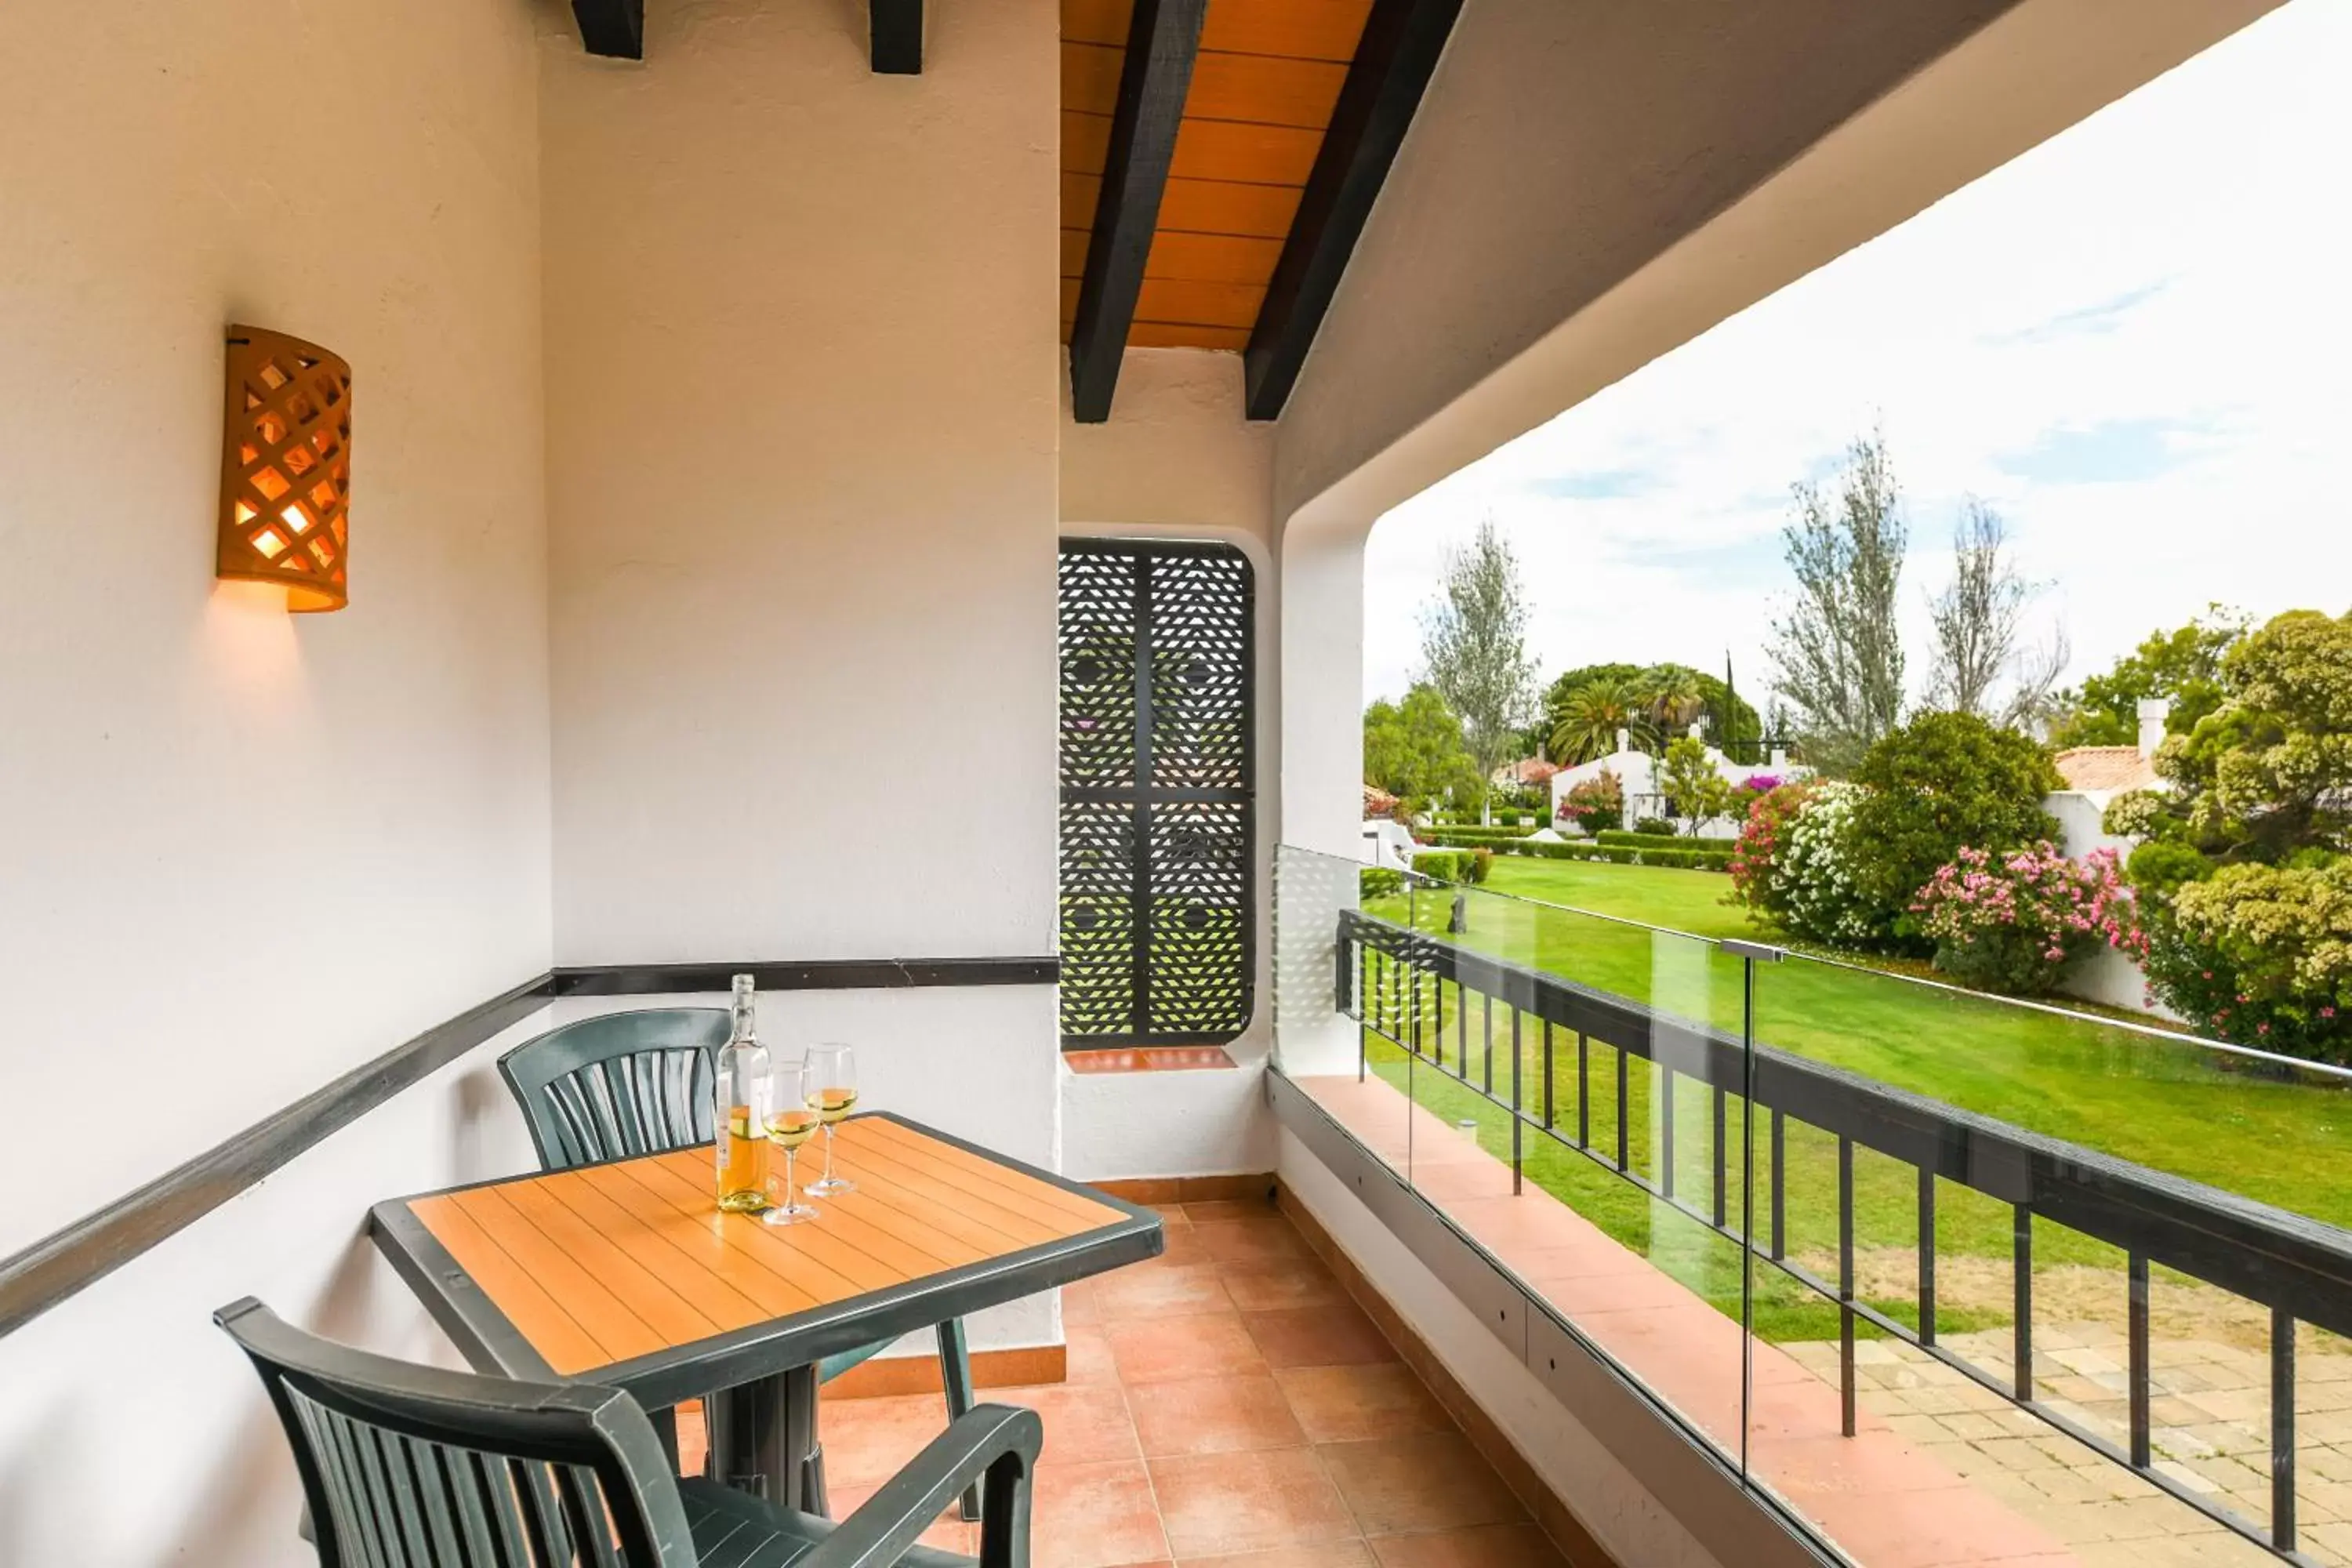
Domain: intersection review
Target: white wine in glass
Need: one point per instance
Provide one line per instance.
(829, 1077)
(788, 1127)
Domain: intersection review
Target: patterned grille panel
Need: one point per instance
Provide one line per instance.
(1157, 798)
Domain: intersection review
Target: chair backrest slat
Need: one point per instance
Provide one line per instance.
(618, 1085)
(409, 1466)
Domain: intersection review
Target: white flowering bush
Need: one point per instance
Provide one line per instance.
(2139, 814)
(1814, 873)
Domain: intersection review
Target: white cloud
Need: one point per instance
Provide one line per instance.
(2135, 341)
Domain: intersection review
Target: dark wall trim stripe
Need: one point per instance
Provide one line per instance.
(81, 1254)
(823, 974)
(1397, 55)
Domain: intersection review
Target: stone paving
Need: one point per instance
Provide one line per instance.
(2210, 1415)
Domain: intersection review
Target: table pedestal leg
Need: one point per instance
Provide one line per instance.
(763, 1440)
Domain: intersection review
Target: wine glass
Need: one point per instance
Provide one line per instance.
(790, 1125)
(830, 1081)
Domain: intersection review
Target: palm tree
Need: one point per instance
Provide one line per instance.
(1672, 695)
(1584, 723)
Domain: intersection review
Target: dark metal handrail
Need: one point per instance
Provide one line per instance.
(1393, 981)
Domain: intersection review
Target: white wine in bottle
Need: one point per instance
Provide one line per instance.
(739, 1111)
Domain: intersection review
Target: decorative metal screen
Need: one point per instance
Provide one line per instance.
(1157, 793)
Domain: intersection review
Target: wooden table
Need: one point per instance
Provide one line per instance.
(626, 1275)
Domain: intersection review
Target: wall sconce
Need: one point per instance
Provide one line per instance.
(285, 469)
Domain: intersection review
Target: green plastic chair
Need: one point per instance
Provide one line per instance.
(412, 1467)
(625, 1084)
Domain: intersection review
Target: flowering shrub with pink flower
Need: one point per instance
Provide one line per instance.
(2013, 922)
(1597, 804)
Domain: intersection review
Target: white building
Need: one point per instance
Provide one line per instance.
(2095, 776)
(1639, 774)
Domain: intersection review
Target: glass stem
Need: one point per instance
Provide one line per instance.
(788, 1177)
(828, 1154)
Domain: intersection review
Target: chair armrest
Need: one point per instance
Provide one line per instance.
(998, 1441)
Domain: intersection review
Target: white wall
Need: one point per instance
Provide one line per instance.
(243, 852)
(801, 329)
(1177, 459)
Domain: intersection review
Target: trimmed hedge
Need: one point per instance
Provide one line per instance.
(1664, 841)
(1472, 837)
(1504, 816)
(1460, 868)
(1379, 882)
(1624, 854)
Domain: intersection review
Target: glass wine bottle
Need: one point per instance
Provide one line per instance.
(739, 1109)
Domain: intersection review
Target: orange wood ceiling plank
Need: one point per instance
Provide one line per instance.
(1179, 258)
(1262, 89)
(1195, 206)
(1203, 304)
(1205, 150)
(1304, 29)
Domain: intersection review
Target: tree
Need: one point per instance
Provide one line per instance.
(1838, 651)
(1473, 643)
(1413, 749)
(2243, 879)
(2182, 666)
(1691, 780)
(1942, 783)
(1673, 695)
(1586, 723)
(1979, 621)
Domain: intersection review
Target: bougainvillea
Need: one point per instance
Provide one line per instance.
(1597, 804)
(2013, 922)
(1755, 858)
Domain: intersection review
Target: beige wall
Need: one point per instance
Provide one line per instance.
(241, 852)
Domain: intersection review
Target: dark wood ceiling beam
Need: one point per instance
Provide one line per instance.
(1403, 40)
(1162, 41)
(613, 28)
(898, 29)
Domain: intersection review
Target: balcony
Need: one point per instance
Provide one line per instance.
(706, 394)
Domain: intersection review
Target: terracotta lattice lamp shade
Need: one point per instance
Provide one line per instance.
(285, 469)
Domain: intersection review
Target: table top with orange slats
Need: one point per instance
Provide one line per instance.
(627, 1273)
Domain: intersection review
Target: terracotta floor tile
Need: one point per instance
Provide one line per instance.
(1643, 1288)
(1213, 1344)
(1272, 1286)
(1351, 1404)
(948, 1534)
(1079, 1309)
(1095, 1516)
(1487, 1546)
(1230, 1208)
(1252, 1241)
(1180, 1290)
(1323, 1554)
(1085, 1423)
(1214, 1504)
(1317, 1336)
(1180, 1244)
(1432, 1480)
(1089, 1358)
(1212, 1415)
(1927, 1530)
(867, 1441)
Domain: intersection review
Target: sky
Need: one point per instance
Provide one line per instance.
(2134, 341)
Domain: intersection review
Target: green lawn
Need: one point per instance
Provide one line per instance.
(2075, 1077)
